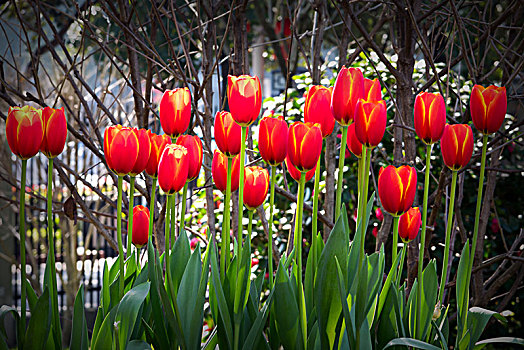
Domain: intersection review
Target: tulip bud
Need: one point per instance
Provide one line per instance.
(173, 168)
(373, 90)
(120, 149)
(317, 108)
(370, 122)
(353, 144)
(140, 233)
(430, 117)
(457, 145)
(409, 224)
(256, 185)
(304, 145)
(295, 173)
(348, 89)
(24, 131)
(397, 188)
(144, 151)
(379, 215)
(488, 107)
(219, 171)
(227, 134)
(158, 143)
(55, 131)
(272, 139)
(175, 111)
(244, 95)
(194, 154)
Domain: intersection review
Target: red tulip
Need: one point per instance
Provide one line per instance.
(370, 122)
(194, 154)
(272, 139)
(140, 232)
(24, 131)
(353, 144)
(318, 108)
(158, 143)
(430, 117)
(256, 185)
(488, 107)
(379, 215)
(175, 111)
(348, 89)
(219, 171)
(121, 149)
(193, 243)
(173, 168)
(55, 131)
(397, 188)
(409, 224)
(144, 151)
(375, 231)
(304, 145)
(244, 95)
(373, 90)
(295, 173)
(457, 145)
(227, 134)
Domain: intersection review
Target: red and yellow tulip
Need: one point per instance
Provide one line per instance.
(24, 131)
(304, 145)
(272, 139)
(256, 186)
(457, 145)
(144, 151)
(158, 143)
(121, 149)
(194, 154)
(55, 131)
(173, 168)
(397, 188)
(370, 122)
(430, 116)
(140, 232)
(488, 107)
(219, 171)
(175, 111)
(348, 89)
(373, 90)
(317, 108)
(409, 224)
(227, 134)
(244, 95)
(295, 173)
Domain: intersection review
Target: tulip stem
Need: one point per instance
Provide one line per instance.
(182, 228)
(173, 219)
(169, 199)
(316, 194)
(250, 224)
(130, 215)
(364, 200)
(22, 250)
(226, 224)
(152, 206)
(241, 184)
(270, 226)
(401, 266)
(138, 260)
(341, 170)
(298, 255)
(394, 246)
(51, 242)
(448, 237)
(119, 237)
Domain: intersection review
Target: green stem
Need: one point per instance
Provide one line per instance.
(364, 201)
(341, 170)
(226, 224)
(298, 255)
(183, 210)
(361, 161)
(250, 224)
(448, 237)
(152, 206)
(130, 215)
(241, 185)
(119, 237)
(394, 247)
(22, 247)
(51, 241)
(138, 259)
(315, 201)
(401, 266)
(169, 199)
(270, 226)
(173, 219)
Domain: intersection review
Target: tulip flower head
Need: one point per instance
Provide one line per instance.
(158, 143)
(55, 131)
(397, 188)
(430, 117)
(175, 111)
(317, 108)
(256, 185)
(348, 89)
(194, 154)
(373, 90)
(173, 168)
(24, 131)
(272, 139)
(457, 145)
(409, 224)
(353, 144)
(370, 122)
(120, 149)
(219, 171)
(244, 95)
(304, 145)
(227, 134)
(144, 151)
(295, 173)
(488, 108)
(140, 233)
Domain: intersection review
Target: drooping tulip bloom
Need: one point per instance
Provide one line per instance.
(409, 224)
(348, 89)
(430, 116)
(317, 108)
(488, 107)
(194, 154)
(227, 134)
(175, 111)
(256, 185)
(397, 188)
(272, 139)
(370, 122)
(373, 90)
(158, 143)
(353, 144)
(219, 171)
(295, 173)
(55, 131)
(304, 145)
(457, 145)
(140, 232)
(244, 95)
(144, 151)
(173, 168)
(24, 131)
(120, 149)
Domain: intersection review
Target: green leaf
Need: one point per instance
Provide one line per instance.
(429, 299)
(418, 344)
(32, 299)
(477, 320)
(179, 257)
(104, 338)
(79, 336)
(258, 326)
(105, 296)
(441, 337)
(349, 322)
(4, 311)
(500, 340)
(39, 324)
(138, 345)
(126, 314)
(462, 291)
(243, 281)
(385, 290)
